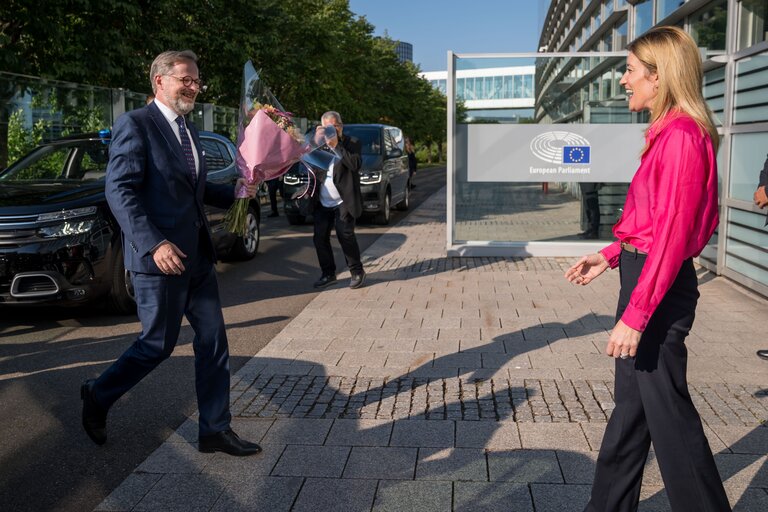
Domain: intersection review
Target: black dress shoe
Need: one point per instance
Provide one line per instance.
(589, 235)
(357, 280)
(94, 417)
(762, 354)
(273, 214)
(228, 442)
(325, 281)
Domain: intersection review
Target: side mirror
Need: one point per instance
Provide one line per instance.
(395, 152)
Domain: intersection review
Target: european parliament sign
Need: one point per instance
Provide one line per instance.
(549, 152)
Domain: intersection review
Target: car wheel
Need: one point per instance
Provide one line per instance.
(245, 248)
(121, 296)
(383, 217)
(406, 202)
(295, 220)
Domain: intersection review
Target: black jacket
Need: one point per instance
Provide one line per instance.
(346, 177)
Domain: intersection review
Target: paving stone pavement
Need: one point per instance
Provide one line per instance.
(466, 384)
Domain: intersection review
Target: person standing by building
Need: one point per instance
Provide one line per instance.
(413, 165)
(591, 202)
(761, 200)
(156, 187)
(338, 203)
(669, 216)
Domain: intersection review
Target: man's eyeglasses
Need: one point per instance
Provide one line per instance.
(187, 81)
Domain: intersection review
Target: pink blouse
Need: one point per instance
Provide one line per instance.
(670, 212)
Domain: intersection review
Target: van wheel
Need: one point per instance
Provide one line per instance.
(383, 217)
(245, 248)
(406, 202)
(121, 298)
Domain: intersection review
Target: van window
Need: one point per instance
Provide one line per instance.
(369, 137)
(395, 136)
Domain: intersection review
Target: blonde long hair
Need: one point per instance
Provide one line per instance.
(672, 54)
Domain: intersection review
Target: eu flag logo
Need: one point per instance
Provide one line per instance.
(576, 154)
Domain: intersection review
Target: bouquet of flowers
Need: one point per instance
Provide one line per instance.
(268, 142)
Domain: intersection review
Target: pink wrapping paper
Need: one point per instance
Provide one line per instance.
(265, 151)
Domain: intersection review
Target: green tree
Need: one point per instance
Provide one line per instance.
(317, 55)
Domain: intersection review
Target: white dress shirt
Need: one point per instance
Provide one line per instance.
(171, 116)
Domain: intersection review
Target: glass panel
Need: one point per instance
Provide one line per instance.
(643, 16)
(745, 248)
(753, 27)
(608, 8)
(751, 89)
(666, 7)
(621, 36)
(489, 208)
(748, 152)
(714, 92)
(708, 25)
(608, 41)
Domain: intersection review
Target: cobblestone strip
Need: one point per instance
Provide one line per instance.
(529, 400)
(427, 266)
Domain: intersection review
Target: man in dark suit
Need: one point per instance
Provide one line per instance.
(761, 200)
(156, 189)
(338, 203)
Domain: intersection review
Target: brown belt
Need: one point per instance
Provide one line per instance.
(631, 248)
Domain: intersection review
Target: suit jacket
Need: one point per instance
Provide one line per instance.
(764, 182)
(346, 177)
(150, 191)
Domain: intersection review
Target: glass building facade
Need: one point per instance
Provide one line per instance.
(404, 51)
(504, 199)
(733, 38)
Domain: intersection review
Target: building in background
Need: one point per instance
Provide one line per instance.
(733, 37)
(404, 51)
(504, 94)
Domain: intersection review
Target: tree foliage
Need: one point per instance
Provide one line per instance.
(317, 55)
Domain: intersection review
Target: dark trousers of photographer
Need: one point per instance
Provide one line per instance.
(325, 220)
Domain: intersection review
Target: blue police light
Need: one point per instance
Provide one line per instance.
(105, 135)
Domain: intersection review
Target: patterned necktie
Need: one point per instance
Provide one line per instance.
(186, 146)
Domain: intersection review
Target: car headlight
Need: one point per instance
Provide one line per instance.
(291, 180)
(370, 177)
(66, 214)
(66, 229)
(70, 222)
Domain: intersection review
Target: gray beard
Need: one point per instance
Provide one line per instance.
(182, 107)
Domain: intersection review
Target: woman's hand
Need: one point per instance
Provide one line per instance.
(623, 341)
(587, 269)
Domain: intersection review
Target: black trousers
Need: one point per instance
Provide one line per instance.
(162, 302)
(273, 187)
(325, 220)
(653, 405)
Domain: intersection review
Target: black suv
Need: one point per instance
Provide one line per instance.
(60, 244)
(384, 177)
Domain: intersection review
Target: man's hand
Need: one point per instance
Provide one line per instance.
(587, 269)
(321, 136)
(761, 199)
(250, 188)
(168, 258)
(623, 341)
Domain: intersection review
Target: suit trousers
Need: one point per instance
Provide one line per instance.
(162, 301)
(653, 405)
(325, 220)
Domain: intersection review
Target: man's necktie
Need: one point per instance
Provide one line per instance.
(186, 146)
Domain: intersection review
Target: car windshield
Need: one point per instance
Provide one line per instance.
(82, 161)
(369, 137)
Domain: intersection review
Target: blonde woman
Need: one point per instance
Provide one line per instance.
(669, 215)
